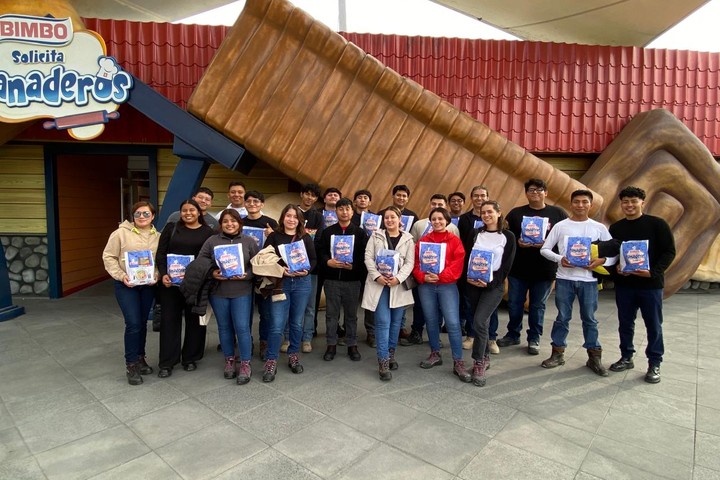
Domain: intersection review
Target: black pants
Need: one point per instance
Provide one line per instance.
(483, 302)
(193, 347)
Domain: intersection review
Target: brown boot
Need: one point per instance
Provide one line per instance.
(557, 358)
(594, 362)
(384, 369)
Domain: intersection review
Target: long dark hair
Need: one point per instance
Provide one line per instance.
(233, 213)
(502, 224)
(301, 220)
(201, 217)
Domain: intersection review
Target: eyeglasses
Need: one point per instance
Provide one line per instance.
(535, 190)
(142, 214)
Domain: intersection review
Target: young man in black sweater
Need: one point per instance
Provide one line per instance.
(641, 289)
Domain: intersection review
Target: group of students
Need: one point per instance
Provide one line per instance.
(287, 299)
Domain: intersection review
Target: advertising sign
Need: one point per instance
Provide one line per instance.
(47, 70)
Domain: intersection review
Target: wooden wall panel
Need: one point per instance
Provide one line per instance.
(88, 206)
(262, 177)
(22, 190)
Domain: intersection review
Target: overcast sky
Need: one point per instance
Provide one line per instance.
(700, 31)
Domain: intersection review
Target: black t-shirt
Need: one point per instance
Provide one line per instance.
(178, 239)
(529, 264)
(261, 222)
(661, 249)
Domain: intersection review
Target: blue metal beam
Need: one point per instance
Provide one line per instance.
(184, 183)
(191, 130)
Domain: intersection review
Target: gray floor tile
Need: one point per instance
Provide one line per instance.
(232, 399)
(708, 420)
(66, 426)
(12, 446)
(208, 377)
(210, 451)
(668, 387)
(390, 463)
(326, 447)
(49, 403)
(6, 420)
(148, 466)
(25, 468)
(436, 442)
(277, 419)
(36, 376)
(707, 450)
(91, 455)
(373, 415)
(549, 439)
(268, 464)
(108, 385)
(421, 398)
(175, 421)
(702, 473)
(656, 407)
(504, 462)
(586, 476)
(90, 362)
(608, 455)
(659, 437)
(471, 412)
(142, 399)
(325, 394)
(708, 389)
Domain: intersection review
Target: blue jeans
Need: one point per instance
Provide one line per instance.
(291, 312)
(308, 326)
(587, 295)
(387, 324)
(628, 301)
(539, 293)
(442, 300)
(233, 317)
(135, 304)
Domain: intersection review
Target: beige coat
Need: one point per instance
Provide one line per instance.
(399, 295)
(127, 238)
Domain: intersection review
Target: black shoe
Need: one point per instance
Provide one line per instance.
(354, 354)
(533, 347)
(653, 374)
(294, 363)
(165, 372)
(189, 367)
(415, 338)
(507, 341)
(625, 363)
(219, 348)
(143, 366)
(330, 353)
(133, 374)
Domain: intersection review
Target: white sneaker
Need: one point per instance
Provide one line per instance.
(306, 347)
(468, 343)
(492, 345)
(284, 346)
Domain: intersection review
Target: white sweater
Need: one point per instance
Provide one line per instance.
(559, 235)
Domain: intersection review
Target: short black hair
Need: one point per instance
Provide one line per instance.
(332, 190)
(439, 196)
(582, 193)
(236, 183)
(362, 192)
(632, 192)
(312, 188)
(401, 188)
(457, 194)
(444, 213)
(254, 194)
(343, 202)
(535, 182)
(205, 190)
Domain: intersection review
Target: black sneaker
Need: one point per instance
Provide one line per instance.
(415, 338)
(653, 374)
(508, 341)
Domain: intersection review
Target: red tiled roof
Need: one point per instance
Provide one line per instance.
(546, 97)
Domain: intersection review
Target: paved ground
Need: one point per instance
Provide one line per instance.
(66, 410)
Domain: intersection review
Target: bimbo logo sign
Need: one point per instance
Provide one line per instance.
(48, 70)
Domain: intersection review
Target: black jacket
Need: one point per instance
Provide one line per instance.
(197, 283)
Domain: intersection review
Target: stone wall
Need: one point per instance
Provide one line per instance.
(27, 262)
